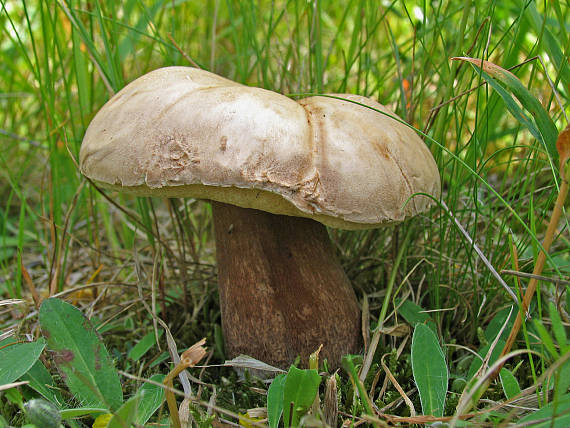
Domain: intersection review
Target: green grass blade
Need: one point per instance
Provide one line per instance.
(544, 124)
(110, 53)
(550, 41)
(79, 354)
(430, 370)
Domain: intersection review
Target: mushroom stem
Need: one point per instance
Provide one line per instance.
(282, 290)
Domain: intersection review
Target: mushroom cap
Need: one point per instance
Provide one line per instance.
(185, 132)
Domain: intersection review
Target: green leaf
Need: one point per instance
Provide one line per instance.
(558, 328)
(81, 357)
(17, 358)
(151, 398)
(143, 345)
(430, 370)
(125, 416)
(545, 338)
(275, 400)
(299, 392)
(81, 411)
(348, 364)
(554, 415)
(509, 382)
(414, 314)
(478, 362)
(549, 41)
(42, 382)
(545, 130)
(497, 323)
(563, 378)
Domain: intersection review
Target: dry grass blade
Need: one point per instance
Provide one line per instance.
(184, 54)
(30, 283)
(397, 330)
(196, 401)
(8, 302)
(467, 399)
(8, 386)
(365, 323)
(398, 387)
(246, 362)
(537, 277)
(480, 254)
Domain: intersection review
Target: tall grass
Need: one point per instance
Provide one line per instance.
(62, 60)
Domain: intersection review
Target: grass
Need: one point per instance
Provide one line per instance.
(61, 61)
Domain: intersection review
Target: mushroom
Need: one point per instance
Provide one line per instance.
(277, 171)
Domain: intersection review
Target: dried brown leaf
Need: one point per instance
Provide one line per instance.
(194, 354)
(330, 405)
(397, 330)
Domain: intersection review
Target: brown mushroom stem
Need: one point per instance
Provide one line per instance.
(282, 289)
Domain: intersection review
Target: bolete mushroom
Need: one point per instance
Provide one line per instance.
(276, 170)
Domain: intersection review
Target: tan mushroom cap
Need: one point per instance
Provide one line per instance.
(185, 132)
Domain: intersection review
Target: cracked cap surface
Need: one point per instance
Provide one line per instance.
(185, 132)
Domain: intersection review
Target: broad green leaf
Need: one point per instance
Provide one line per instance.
(413, 314)
(299, 392)
(430, 370)
(151, 398)
(478, 362)
(42, 382)
(497, 323)
(275, 400)
(555, 414)
(17, 358)
(509, 382)
(125, 416)
(85, 364)
(547, 132)
(558, 328)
